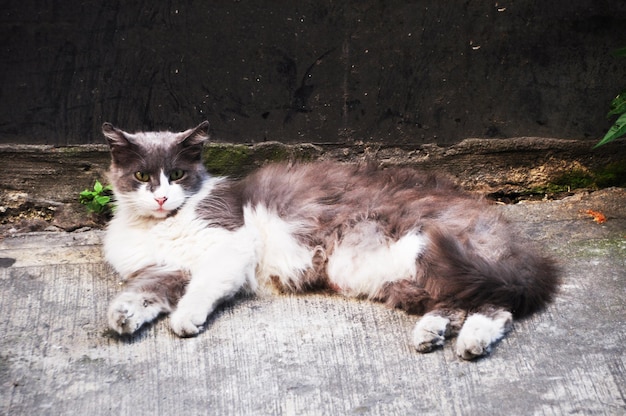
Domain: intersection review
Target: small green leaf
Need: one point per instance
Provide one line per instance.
(620, 52)
(99, 199)
(102, 200)
(85, 197)
(618, 105)
(617, 130)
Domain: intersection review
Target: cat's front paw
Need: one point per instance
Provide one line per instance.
(186, 323)
(129, 311)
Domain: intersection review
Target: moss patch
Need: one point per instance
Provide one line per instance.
(613, 247)
(613, 174)
(574, 179)
(238, 160)
(271, 152)
(566, 182)
(223, 159)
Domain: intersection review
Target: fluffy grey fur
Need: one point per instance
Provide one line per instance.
(474, 262)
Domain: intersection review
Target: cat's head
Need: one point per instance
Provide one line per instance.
(153, 173)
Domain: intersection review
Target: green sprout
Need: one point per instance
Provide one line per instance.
(617, 108)
(98, 200)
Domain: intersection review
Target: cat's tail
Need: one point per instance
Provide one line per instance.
(519, 280)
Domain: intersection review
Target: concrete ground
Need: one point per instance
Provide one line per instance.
(313, 354)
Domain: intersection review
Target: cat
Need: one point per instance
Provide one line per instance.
(183, 241)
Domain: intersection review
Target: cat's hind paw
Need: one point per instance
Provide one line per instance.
(430, 333)
(130, 310)
(480, 332)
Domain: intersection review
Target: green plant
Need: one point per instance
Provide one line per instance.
(98, 200)
(617, 108)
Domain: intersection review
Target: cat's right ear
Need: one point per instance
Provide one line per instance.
(120, 144)
(114, 136)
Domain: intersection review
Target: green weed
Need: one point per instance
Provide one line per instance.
(98, 200)
(617, 108)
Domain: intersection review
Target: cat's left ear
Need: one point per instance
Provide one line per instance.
(196, 136)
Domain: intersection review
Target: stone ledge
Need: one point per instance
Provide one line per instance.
(39, 185)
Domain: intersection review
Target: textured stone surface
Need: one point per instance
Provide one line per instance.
(310, 71)
(313, 354)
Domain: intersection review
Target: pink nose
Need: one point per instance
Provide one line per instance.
(161, 200)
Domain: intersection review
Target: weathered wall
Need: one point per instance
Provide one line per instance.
(310, 71)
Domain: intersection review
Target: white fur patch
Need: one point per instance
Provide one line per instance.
(174, 193)
(221, 262)
(223, 269)
(480, 332)
(365, 261)
(180, 242)
(279, 253)
(144, 202)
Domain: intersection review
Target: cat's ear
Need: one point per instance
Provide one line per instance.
(114, 136)
(191, 141)
(196, 136)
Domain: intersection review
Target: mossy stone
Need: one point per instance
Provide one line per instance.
(227, 159)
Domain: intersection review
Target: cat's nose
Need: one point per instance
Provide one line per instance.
(161, 200)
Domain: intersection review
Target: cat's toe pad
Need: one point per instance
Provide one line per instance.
(430, 333)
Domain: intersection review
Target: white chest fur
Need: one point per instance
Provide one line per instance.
(178, 242)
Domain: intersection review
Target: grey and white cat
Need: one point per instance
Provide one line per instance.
(183, 241)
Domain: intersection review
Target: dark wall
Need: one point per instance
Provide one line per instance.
(310, 71)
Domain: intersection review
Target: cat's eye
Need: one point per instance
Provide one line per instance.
(176, 174)
(142, 176)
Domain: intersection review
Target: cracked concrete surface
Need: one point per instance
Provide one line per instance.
(313, 354)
